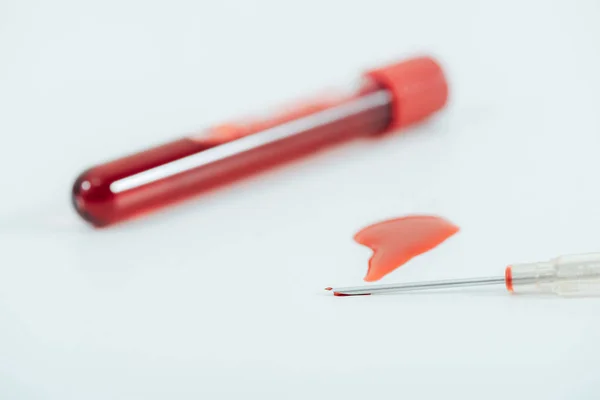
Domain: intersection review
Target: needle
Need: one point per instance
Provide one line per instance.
(565, 275)
(415, 286)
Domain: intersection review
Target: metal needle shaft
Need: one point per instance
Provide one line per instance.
(414, 286)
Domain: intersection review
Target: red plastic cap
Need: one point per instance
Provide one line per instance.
(418, 87)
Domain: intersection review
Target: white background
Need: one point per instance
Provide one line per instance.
(220, 298)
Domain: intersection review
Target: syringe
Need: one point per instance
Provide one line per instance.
(570, 275)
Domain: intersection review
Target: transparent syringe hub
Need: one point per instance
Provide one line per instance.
(570, 275)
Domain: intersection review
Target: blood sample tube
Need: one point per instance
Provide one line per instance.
(385, 99)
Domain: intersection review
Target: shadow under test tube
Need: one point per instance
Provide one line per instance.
(386, 99)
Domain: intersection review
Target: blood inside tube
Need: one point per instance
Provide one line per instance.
(143, 182)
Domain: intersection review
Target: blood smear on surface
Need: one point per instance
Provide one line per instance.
(396, 241)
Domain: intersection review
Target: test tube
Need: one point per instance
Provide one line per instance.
(384, 100)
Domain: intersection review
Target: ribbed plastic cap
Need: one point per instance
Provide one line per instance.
(418, 87)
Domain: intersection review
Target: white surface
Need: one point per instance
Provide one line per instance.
(140, 311)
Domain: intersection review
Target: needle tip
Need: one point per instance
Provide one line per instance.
(348, 295)
(329, 288)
